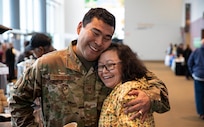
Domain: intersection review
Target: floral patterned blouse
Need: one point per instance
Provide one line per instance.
(112, 114)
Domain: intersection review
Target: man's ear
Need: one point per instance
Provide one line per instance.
(41, 49)
(80, 25)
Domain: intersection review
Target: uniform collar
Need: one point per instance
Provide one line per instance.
(73, 62)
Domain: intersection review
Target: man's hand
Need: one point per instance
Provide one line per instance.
(141, 105)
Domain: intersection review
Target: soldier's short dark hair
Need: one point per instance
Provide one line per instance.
(101, 14)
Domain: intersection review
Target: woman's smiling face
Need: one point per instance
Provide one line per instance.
(109, 68)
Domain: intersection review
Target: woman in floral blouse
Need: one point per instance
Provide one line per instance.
(120, 69)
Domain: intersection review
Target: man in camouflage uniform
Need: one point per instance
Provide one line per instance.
(67, 82)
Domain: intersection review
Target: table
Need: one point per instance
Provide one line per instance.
(180, 68)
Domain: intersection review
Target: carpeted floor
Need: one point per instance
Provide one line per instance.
(181, 95)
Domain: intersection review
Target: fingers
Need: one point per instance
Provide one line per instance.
(136, 115)
(142, 116)
(140, 112)
(142, 102)
(132, 102)
(134, 92)
(132, 106)
(139, 106)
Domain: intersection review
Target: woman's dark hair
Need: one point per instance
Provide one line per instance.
(101, 14)
(132, 67)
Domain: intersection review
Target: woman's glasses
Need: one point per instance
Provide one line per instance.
(108, 67)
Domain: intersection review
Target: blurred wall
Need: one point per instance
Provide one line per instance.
(150, 26)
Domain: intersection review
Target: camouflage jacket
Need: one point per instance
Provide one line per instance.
(68, 92)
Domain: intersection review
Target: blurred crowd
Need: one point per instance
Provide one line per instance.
(9, 56)
(177, 57)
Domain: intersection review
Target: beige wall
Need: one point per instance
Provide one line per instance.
(151, 25)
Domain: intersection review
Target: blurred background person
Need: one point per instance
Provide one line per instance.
(187, 52)
(169, 49)
(3, 46)
(1, 52)
(25, 54)
(179, 50)
(40, 44)
(196, 67)
(10, 62)
(168, 55)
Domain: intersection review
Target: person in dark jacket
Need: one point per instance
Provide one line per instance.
(10, 62)
(179, 50)
(187, 52)
(196, 67)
